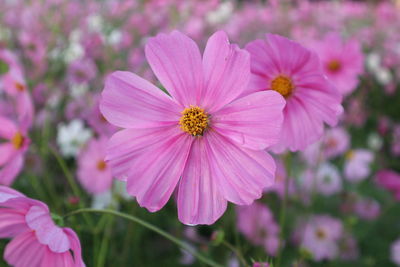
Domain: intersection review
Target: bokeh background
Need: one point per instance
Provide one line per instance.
(345, 188)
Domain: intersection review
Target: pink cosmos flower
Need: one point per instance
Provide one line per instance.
(342, 62)
(356, 167)
(81, 71)
(36, 240)
(321, 236)
(280, 180)
(257, 223)
(335, 142)
(12, 151)
(395, 252)
(93, 172)
(203, 139)
(282, 65)
(367, 208)
(390, 180)
(13, 83)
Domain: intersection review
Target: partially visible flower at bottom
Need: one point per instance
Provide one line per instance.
(257, 223)
(36, 240)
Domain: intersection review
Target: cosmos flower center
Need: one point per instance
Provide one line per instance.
(320, 233)
(101, 165)
(194, 120)
(17, 140)
(334, 65)
(349, 155)
(282, 85)
(20, 87)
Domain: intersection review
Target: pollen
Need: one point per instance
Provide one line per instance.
(349, 155)
(101, 165)
(320, 233)
(282, 85)
(17, 140)
(20, 87)
(194, 120)
(334, 65)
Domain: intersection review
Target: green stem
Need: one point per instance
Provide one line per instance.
(282, 215)
(236, 251)
(104, 243)
(152, 228)
(66, 172)
(71, 182)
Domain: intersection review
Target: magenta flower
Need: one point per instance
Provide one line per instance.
(390, 180)
(12, 151)
(342, 61)
(257, 223)
(36, 240)
(93, 172)
(282, 65)
(203, 139)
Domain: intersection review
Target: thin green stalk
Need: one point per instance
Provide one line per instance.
(71, 181)
(153, 228)
(282, 215)
(105, 242)
(236, 251)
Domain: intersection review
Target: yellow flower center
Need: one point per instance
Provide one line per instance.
(349, 155)
(282, 85)
(17, 140)
(101, 165)
(320, 233)
(194, 120)
(20, 87)
(334, 65)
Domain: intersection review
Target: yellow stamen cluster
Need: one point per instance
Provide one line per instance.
(101, 165)
(194, 120)
(320, 233)
(334, 65)
(20, 87)
(17, 140)
(349, 155)
(282, 85)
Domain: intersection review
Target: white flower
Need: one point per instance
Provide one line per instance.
(383, 76)
(114, 37)
(71, 137)
(120, 189)
(221, 14)
(95, 23)
(374, 141)
(74, 51)
(395, 252)
(78, 90)
(328, 180)
(373, 61)
(103, 201)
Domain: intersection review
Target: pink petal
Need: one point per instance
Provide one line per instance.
(75, 247)
(7, 128)
(199, 198)
(126, 145)
(12, 223)
(6, 152)
(253, 121)
(226, 72)
(157, 169)
(300, 128)
(58, 259)
(24, 251)
(7, 193)
(9, 172)
(241, 173)
(129, 101)
(38, 219)
(176, 61)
